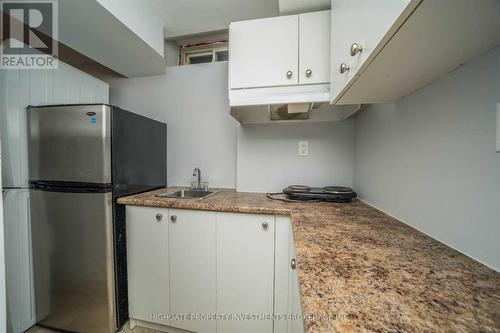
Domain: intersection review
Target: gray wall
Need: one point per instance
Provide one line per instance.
(268, 155)
(193, 101)
(429, 159)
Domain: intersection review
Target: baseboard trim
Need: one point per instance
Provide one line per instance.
(155, 326)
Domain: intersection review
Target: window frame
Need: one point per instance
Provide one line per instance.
(188, 52)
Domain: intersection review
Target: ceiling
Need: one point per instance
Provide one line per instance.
(193, 17)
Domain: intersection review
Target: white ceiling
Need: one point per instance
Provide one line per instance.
(190, 17)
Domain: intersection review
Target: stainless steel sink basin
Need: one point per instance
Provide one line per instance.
(187, 194)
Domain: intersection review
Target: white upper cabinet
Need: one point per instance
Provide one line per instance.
(405, 44)
(280, 51)
(263, 53)
(361, 23)
(314, 47)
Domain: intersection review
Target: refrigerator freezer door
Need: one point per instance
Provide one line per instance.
(70, 143)
(73, 260)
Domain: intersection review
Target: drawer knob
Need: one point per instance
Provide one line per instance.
(344, 68)
(159, 217)
(265, 225)
(355, 49)
(173, 218)
(309, 72)
(293, 264)
(289, 74)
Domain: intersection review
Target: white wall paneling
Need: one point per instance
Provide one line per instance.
(14, 93)
(3, 297)
(18, 262)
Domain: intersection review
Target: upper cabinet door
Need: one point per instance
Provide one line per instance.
(264, 52)
(314, 47)
(364, 23)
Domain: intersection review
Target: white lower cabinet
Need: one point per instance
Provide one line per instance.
(148, 267)
(245, 271)
(188, 264)
(192, 268)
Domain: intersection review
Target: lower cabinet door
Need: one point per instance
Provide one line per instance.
(295, 304)
(245, 271)
(192, 269)
(147, 260)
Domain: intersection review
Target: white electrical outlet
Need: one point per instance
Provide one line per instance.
(303, 148)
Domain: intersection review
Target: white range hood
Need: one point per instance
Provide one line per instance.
(292, 112)
(307, 103)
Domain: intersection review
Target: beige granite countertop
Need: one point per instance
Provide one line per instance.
(361, 270)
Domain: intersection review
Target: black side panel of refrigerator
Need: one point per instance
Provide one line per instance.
(139, 163)
(121, 286)
(139, 153)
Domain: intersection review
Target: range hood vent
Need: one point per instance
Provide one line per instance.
(299, 111)
(292, 112)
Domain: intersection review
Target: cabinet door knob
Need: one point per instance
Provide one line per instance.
(289, 74)
(173, 218)
(355, 49)
(344, 68)
(159, 217)
(265, 225)
(308, 72)
(293, 264)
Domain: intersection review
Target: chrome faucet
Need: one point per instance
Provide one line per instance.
(197, 172)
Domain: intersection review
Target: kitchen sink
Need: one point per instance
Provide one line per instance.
(187, 194)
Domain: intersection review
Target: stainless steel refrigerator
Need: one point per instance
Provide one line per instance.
(81, 159)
